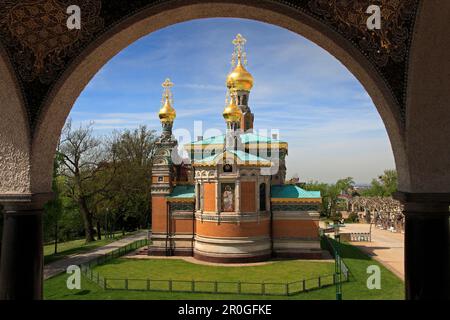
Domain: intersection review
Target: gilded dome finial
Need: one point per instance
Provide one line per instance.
(167, 113)
(232, 113)
(239, 78)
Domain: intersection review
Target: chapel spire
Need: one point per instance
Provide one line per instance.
(240, 82)
(167, 113)
(239, 79)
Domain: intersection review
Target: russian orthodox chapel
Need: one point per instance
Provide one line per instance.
(229, 202)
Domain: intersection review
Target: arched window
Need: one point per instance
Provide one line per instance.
(227, 168)
(262, 197)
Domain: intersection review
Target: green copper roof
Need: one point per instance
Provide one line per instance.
(292, 191)
(212, 140)
(243, 156)
(248, 157)
(254, 138)
(182, 192)
(245, 138)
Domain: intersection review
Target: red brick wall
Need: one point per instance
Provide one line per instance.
(296, 228)
(209, 196)
(248, 196)
(182, 226)
(225, 229)
(247, 119)
(159, 214)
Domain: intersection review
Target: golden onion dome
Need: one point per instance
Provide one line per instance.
(232, 113)
(240, 79)
(167, 113)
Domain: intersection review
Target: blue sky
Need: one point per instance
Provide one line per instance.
(318, 106)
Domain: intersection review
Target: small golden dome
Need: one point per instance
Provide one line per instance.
(240, 78)
(167, 113)
(232, 113)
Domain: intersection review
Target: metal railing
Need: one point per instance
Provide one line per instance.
(327, 243)
(211, 287)
(360, 236)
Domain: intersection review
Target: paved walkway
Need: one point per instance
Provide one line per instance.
(60, 266)
(386, 247)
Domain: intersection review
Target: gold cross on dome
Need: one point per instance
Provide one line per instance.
(239, 42)
(167, 84)
(167, 94)
(239, 54)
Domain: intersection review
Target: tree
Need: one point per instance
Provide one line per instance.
(384, 186)
(324, 189)
(130, 193)
(53, 209)
(346, 184)
(83, 157)
(330, 194)
(389, 181)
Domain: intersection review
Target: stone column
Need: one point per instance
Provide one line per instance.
(237, 207)
(257, 183)
(268, 194)
(218, 201)
(202, 202)
(21, 263)
(427, 245)
(197, 196)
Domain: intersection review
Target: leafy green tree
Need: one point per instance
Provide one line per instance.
(389, 181)
(83, 157)
(324, 188)
(346, 184)
(330, 194)
(130, 190)
(106, 181)
(70, 226)
(384, 186)
(53, 209)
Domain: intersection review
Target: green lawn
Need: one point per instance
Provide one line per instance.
(279, 271)
(75, 246)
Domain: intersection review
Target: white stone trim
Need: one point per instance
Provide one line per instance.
(296, 215)
(232, 246)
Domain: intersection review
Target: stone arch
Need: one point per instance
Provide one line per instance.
(63, 95)
(14, 133)
(427, 113)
